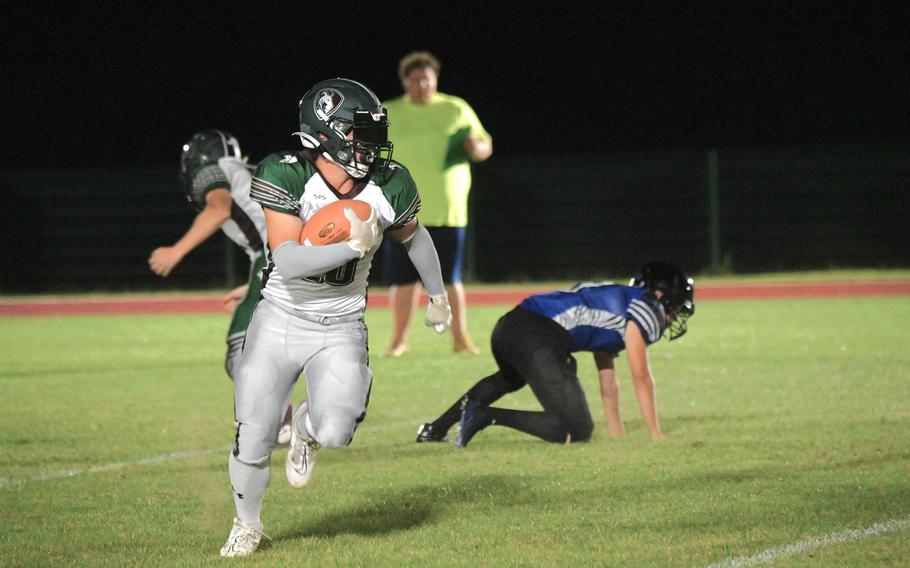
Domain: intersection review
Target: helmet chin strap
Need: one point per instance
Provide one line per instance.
(352, 171)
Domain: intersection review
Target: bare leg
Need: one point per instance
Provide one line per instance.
(403, 299)
(461, 339)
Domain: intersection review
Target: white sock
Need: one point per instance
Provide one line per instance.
(248, 483)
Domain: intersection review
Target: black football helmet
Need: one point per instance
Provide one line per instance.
(203, 149)
(335, 107)
(676, 294)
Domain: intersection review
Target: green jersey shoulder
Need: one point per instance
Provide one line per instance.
(400, 191)
(280, 180)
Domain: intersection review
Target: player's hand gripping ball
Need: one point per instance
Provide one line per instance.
(330, 225)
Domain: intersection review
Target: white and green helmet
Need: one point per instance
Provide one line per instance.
(331, 110)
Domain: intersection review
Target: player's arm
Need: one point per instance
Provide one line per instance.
(234, 297)
(478, 145)
(609, 393)
(642, 380)
(419, 244)
(217, 210)
(478, 149)
(295, 260)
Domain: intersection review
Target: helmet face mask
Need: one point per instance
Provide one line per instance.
(346, 121)
(204, 149)
(679, 324)
(674, 290)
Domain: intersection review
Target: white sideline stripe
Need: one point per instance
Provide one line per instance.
(848, 535)
(173, 456)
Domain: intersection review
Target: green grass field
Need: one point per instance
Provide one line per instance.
(785, 421)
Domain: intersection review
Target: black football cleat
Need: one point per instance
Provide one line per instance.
(426, 433)
(473, 419)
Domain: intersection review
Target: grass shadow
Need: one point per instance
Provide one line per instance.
(407, 507)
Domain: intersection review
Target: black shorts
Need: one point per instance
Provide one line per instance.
(449, 243)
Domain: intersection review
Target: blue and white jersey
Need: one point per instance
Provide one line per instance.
(596, 314)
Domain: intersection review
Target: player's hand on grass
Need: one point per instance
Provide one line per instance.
(364, 234)
(164, 259)
(439, 313)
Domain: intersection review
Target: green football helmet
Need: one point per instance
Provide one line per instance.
(203, 149)
(335, 109)
(676, 294)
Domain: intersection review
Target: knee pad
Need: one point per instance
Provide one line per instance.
(252, 445)
(336, 430)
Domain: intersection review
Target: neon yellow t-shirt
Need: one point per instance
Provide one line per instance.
(428, 141)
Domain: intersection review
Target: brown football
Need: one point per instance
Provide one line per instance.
(329, 225)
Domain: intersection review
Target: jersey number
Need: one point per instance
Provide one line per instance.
(341, 276)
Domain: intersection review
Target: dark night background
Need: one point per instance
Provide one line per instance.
(603, 116)
(93, 86)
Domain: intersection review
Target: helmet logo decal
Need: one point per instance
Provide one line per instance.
(327, 102)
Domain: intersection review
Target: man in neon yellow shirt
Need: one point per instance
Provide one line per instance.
(437, 136)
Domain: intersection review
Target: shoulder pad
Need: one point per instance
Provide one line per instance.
(648, 313)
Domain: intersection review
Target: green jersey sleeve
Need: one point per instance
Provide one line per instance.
(279, 182)
(399, 189)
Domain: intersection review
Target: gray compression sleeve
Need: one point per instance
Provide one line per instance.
(423, 254)
(295, 260)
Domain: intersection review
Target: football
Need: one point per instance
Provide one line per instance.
(329, 225)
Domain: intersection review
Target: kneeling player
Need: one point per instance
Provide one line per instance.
(533, 345)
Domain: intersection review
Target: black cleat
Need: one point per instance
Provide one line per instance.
(473, 419)
(426, 434)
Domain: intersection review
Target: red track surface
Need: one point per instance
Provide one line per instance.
(208, 304)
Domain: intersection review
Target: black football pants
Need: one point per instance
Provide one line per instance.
(536, 351)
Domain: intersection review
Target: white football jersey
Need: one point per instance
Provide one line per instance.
(290, 184)
(246, 227)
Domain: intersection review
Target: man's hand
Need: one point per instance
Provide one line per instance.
(477, 149)
(164, 259)
(364, 234)
(439, 313)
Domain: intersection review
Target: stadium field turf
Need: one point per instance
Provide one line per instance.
(786, 423)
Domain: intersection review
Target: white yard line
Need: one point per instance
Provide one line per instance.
(173, 456)
(849, 535)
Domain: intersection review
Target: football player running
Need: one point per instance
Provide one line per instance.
(310, 320)
(216, 179)
(533, 345)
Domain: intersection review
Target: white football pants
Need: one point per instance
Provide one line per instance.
(279, 347)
